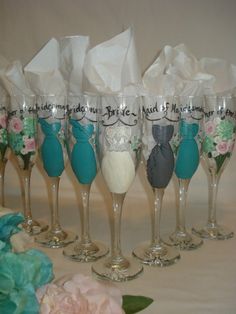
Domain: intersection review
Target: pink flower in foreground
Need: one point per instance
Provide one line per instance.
(29, 145)
(3, 121)
(80, 295)
(210, 128)
(56, 300)
(103, 298)
(15, 125)
(222, 147)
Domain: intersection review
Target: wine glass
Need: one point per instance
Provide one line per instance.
(81, 144)
(160, 125)
(187, 148)
(119, 153)
(4, 104)
(52, 153)
(22, 134)
(219, 138)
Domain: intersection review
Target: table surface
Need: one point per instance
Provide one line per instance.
(203, 281)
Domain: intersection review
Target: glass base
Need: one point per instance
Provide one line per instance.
(33, 227)
(89, 252)
(184, 241)
(213, 231)
(160, 255)
(122, 269)
(56, 239)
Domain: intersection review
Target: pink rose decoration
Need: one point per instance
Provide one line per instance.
(3, 121)
(210, 128)
(56, 300)
(80, 295)
(29, 145)
(222, 147)
(15, 125)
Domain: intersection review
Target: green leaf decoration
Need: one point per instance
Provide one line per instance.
(220, 160)
(133, 304)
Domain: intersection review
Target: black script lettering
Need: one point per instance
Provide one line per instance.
(12, 113)
(230, 113)
(208, 114)
(93, 110)
(174, 108)
(49, 107)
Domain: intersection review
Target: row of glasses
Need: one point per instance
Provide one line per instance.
(68, 128)
(172, 139)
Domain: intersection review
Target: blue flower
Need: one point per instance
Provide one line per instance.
(20, 275)
(8, 227)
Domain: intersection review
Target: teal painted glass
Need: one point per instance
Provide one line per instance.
(188, 154)
(51, 150)
(83, 160)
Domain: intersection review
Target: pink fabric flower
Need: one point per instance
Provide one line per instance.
(29, 145)
(56, 300)
(222, 147)
(80, 295)
(210, 128)
(103, 298)
(16, 125)
(3, 121)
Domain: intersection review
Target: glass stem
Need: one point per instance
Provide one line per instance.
(84, 214)
(26, 174)
(2, 176)
(117, 203)
(181, 208)
(156, 239)
(54, 185)
(213, 189)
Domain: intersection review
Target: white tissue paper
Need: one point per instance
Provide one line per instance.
(3, 64)
(43, 71)
(223, 72)
(14, 80)
(112, 66)
(16, 84)
(176, 71)
(72, 56)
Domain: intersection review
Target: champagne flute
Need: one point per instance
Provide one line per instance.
(219, 138)
(187, 150)
(119, 153)
(81, 137)
(160, 125)
(52, 152)
(4, 104)
(22, 133)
